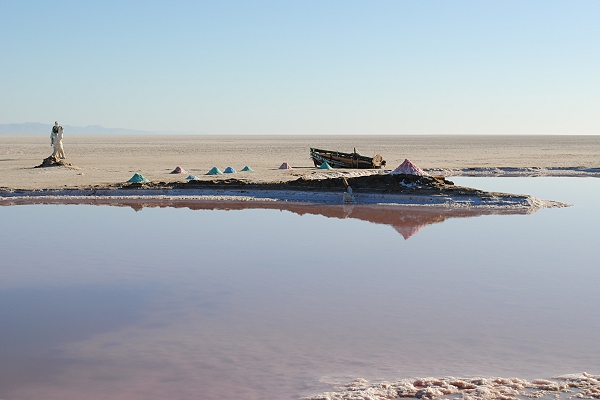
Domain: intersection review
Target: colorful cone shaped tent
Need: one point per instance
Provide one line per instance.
(285, 166)
(247, 169)
(191, 177)
(214, 171)
(138, 178)
(325, 165)
(229, 170)
(408, 168)
(179, 170)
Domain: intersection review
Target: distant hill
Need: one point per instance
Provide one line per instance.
(35, 128)
(29, 127)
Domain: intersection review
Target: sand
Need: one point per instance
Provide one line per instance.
(110, 159)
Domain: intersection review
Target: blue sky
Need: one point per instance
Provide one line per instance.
(304, 67)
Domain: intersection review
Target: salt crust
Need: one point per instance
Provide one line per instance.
(517, 172)
(572, 386)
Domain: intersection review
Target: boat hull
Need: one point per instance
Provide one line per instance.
(338, 159)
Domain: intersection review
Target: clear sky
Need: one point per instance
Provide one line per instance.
(304, 67)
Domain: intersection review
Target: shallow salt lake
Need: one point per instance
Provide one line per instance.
(102, 302)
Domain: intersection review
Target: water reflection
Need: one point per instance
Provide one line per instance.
(37, 322)
(406, 220)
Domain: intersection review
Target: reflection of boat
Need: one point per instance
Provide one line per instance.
(406, 220)
(338, 159)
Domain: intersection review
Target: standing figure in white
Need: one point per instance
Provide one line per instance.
(56, 138)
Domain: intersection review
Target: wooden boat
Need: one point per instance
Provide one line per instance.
(338, 159)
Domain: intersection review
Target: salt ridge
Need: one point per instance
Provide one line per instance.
(483, 172)
(571, 386)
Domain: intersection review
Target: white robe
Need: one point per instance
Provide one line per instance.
(56, 141)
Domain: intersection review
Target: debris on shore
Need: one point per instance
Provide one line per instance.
(54, 161)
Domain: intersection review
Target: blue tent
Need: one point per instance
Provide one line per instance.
(229, 170)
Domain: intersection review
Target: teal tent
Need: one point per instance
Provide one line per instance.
(214, 171)
(325, 165)
(247, 169)
(138, 178)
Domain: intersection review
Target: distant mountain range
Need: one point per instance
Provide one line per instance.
(35, 128)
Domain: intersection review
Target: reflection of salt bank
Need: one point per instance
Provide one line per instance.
(497, 202)
(581, 386)
(406, 220)
(408, 231)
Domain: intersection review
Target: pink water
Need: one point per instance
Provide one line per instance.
(110, 303)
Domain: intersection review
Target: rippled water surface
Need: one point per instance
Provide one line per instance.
(102, 302)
